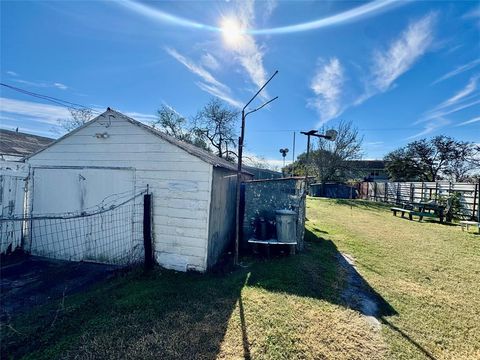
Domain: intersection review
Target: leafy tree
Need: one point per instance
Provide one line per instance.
(331, 160)
(215, 124)
(430, 160)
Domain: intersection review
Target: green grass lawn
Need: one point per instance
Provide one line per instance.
(424, 275)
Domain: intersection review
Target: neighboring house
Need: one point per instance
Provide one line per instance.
(369, 170)
(15, 145)
(193, 191)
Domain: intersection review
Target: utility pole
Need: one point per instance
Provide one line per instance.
(239, 168)
(293, 155)
(330, 135)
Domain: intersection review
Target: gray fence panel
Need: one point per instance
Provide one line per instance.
(405, 192)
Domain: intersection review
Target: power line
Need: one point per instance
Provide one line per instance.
(361, 129)
(52, 99)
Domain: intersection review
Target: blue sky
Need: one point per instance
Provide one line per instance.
(398, 70)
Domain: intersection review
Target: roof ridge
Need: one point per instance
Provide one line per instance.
(188, 147)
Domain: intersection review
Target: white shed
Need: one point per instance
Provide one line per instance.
(193, 191)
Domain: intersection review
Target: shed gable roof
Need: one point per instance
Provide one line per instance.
(204, 155)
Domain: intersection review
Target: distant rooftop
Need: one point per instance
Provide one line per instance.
(368, 164)
(19, 144)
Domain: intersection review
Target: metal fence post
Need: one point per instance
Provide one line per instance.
(147, 231)
(475, 198)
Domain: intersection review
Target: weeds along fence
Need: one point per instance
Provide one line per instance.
(112, 232)
(407, 192)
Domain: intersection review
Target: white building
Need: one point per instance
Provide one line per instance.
(193, 191)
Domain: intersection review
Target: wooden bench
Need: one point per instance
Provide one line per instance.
(256, 242)
(403, 211)
(466, 224)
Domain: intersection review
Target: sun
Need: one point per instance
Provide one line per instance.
(232, 31)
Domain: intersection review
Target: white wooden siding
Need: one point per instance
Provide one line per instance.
(180, 184)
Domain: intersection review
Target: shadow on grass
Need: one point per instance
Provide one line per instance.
(171, 315)
(363, 204)
(163, 315)
(321, 272)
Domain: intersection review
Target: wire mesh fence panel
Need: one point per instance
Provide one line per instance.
(111, 233)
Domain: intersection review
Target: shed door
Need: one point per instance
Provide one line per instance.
(64, 191)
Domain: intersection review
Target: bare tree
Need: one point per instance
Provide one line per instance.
(172, 123)
(77, 119)
(331, 160)
(215, 123)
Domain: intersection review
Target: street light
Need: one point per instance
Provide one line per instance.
(284, 153)
(239, 168)
(330, 135)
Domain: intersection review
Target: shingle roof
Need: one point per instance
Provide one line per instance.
(15, 143)
(204, 155)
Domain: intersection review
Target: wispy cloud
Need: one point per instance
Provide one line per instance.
(462, 94)
(327, 87)
(403, 52)
(42, 84)
(462, 99)
(209, 83)
(209, 61)
(142, 117)
(41, 113)
(471, 121)
(431, 126)
(437, 117)
(245, 49)
(60, 86)
(398, 58)
(473, 14)
(458, 70)
(269, 7)
(11, 73)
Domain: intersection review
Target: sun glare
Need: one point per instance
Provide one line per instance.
(231, 30)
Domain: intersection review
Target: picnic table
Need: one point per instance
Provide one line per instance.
(421, 209)
(426, 208)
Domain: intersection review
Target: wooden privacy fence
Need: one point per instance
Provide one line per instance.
(404, 192)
